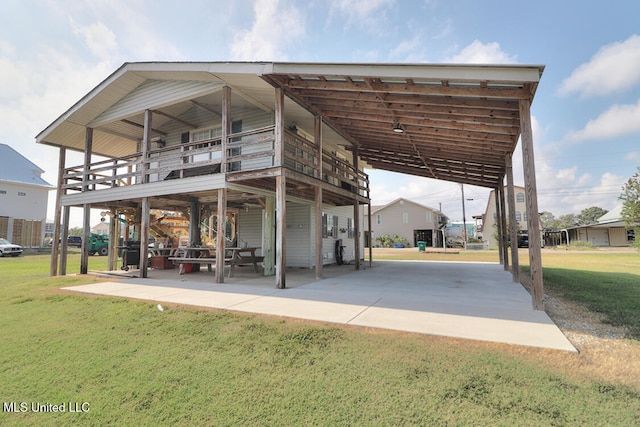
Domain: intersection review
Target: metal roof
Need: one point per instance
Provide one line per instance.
(459, 122)
(17, 169)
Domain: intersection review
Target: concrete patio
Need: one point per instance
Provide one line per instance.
(462, 300)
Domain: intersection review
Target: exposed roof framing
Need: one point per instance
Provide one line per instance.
(459, 122)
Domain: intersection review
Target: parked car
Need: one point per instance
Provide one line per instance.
(8, 248)
(75, 241)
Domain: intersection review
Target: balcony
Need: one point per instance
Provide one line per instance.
(248, 154)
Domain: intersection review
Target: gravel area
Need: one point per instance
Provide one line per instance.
(605, 352)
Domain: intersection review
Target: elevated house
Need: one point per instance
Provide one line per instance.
(279, 150)
(491, 218)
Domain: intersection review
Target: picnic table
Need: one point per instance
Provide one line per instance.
(233, 256)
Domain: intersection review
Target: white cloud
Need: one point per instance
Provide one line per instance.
(633, 156)
(481, 53)
(617, 121)
(276, 27)
(98, 38)
(614, 68)
(369, 15)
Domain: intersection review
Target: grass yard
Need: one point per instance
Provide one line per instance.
(135, 365)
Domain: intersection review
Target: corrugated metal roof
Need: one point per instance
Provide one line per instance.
(16, 168)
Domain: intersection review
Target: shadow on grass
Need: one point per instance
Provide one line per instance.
(615, 295)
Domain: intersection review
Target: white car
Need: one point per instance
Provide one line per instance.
(8, 248)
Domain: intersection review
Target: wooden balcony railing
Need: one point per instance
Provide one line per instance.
(245, 151)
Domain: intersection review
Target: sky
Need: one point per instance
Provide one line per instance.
(586, 112)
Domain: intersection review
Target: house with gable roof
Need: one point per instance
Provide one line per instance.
(609, 230)
(23, 199)
(408, 219)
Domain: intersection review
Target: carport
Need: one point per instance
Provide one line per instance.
(458, 123)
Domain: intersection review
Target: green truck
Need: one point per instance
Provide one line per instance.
(98, 244)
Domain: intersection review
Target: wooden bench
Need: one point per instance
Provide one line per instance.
(246, 260)
(184, 261)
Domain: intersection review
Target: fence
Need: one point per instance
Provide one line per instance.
(24, 232)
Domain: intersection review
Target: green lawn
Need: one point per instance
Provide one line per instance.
(135, 365)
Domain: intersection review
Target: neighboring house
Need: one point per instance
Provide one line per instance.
(411, 220)
(101, 228)
(610, 230)
(23, 199)
(489, 230)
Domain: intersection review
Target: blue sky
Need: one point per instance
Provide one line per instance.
(586, 112)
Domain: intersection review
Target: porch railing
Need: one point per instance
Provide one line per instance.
(248, 150)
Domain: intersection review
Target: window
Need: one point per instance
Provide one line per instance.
(429, 216)
(520, 197)
(204, 134)
(21, 193)
(631, 235)
(379, 219)
(405, 218)
(325, 220)
(350, 228)
(329, 225)
(495, 217)
(525, 215)
(518, 216)
(3, 191)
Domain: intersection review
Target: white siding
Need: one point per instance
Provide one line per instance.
(250, 228)
(299, 232)
(255, 119)
(154, 94)
(174, 186)
(618, 236)
(23, 201)
(328, 244)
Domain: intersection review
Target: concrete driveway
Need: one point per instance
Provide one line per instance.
(463, 300)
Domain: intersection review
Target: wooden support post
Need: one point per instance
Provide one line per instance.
(146, 143)
(503, 215)
(317, 136)
(114, 237)
(86, 232)
(88, 147)
(318, 233)
(86, 220)
(220, 238)
(281, 228)
(269, 236)
(144, 238)
(63, 240)
(281, 193)
(511, 202)
(278, 158)
(55, 246)
(499, 225)
(226, 127)
(195, 238)
(356, 210)
(531, 195)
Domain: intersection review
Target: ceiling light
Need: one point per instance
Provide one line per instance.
(397, 128)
